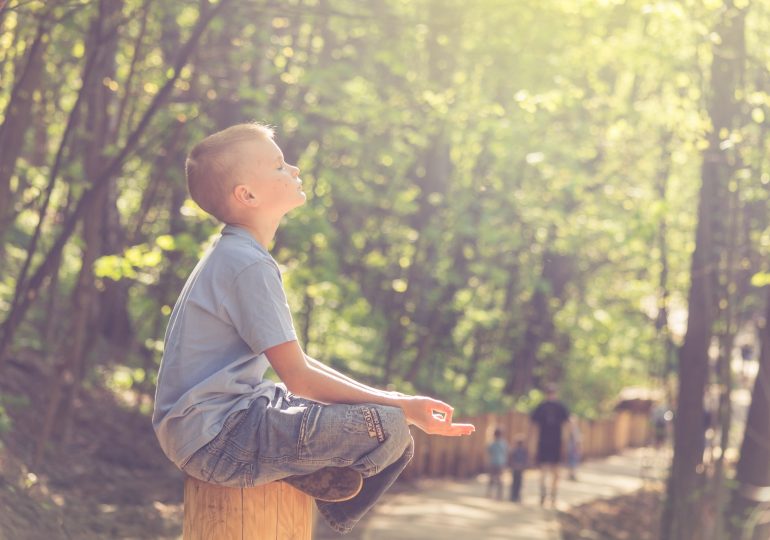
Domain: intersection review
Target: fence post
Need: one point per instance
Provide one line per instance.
(640, 425)
(622, 435)
(274, 511)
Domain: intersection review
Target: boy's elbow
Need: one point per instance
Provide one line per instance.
(292, 368)
(296, 385)
(300, 380)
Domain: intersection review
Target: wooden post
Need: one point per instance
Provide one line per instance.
(274, 511)
(622, 435)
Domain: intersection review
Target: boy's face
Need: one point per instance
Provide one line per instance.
(273, 184)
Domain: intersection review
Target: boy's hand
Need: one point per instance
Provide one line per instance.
(434, 417)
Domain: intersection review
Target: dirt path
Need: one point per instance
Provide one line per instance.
(433, 509)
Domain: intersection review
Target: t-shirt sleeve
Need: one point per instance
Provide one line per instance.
(258, 309)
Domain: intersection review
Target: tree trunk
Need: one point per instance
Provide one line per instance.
(749, 513)
(682, 516)
(556, 273)
(66, 380)
(16, 122)
(437, 163)
(98, 122)
(731, 298)
(662, 329)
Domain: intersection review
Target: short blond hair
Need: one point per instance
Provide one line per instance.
(212, 167)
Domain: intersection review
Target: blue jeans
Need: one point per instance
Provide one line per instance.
(293, 436)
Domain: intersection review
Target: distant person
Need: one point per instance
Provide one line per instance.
(216, 416)
(519, 463)
(661, 416)
(573, 448)
(549, 417)
(498, 457)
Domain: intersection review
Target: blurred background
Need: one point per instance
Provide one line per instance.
(501, 194)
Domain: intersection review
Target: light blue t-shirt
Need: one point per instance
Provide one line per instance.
(498, 453)
(232, 308)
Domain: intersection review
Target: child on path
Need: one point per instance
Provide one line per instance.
(519, 463)
(215, 415)
(573, 448)
(498, 457)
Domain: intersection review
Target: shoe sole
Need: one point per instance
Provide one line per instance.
(329, 484)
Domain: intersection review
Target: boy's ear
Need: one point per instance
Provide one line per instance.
(244, 195)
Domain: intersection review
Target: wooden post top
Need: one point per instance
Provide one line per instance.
(274, 511)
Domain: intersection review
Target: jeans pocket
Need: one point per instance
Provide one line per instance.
(355, 420)
(228, 459)
(322, 438)
(377, 421)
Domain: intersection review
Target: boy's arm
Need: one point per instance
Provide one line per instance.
(303, 376)
(336, 374)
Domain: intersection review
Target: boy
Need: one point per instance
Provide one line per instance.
(519, 463)
(573, 447)
(215, 416)
(498, 456)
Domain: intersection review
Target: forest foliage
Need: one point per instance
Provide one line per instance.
(500, 193)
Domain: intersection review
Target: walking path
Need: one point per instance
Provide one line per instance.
(434, 509)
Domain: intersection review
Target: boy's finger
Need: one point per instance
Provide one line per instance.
(460, 429)
(453, 429)
(444, 416)
(444, 410)
(441, 406)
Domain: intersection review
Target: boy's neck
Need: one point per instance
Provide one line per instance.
(262, 230)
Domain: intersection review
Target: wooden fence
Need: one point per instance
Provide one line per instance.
(463, 457)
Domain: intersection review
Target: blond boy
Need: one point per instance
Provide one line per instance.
(215, 416)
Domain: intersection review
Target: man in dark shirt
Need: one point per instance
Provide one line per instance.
(549, 417)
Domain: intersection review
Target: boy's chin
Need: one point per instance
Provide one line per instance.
(299, 202)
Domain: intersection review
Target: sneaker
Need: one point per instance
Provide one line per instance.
(330, 484)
